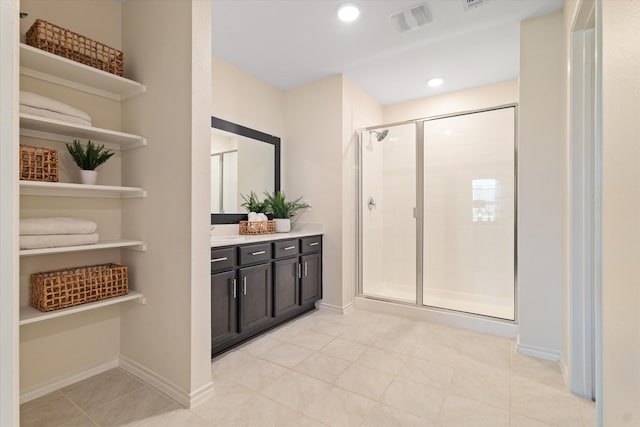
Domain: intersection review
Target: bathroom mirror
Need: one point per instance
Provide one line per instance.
(242, 160)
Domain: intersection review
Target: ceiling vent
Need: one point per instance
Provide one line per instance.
(471, 4)
(412, 18)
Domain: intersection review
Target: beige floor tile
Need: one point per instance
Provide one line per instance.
(483, 383)
(426, 372)
(588, 411)
(228, 397)
(340, 408)
(301, 420)
(82, 421)
(490, 350)
(386, 416)
(413, 397)
(522, 421)
(360, 334)
(311, 340)
(343, 349)
(333, 327)
(101, 389)
(368, 382)
(322, 366)
(544, 403)
(382, 360)
(229, 363)
(259, 412)
(295, 390)
(260, 346)
(133, 408)
(537, 370)
(438, 353)
(287, 331)
(256, 375)
(461, 412)
(397, 341)
(288, 355)
(179, 417)
(51, 410)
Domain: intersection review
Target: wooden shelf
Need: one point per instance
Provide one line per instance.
(107, 244)
(65, 189)
(46, 66)
(31, 315)
(57, 130)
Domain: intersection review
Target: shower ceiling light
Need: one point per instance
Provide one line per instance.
(348, 12)
(435, 82)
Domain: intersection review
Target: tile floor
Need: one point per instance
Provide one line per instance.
(363, 369)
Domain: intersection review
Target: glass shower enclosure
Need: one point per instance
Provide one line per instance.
(438, 211)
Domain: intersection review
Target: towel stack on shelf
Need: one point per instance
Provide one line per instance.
(38, 233)
(37, 105)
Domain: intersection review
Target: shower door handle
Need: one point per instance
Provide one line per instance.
(371, 203)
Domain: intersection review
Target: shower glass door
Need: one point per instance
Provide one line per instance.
(387, 205)
(469, 213)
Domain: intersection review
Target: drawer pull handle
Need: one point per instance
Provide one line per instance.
(219, 259)
(299, 271)
(288, 248)
(258, 253)
(234, 288)
(314, 244)
(244, 285)
(305, 268)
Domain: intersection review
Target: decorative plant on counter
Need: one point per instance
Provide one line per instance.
(253, 204)
(88, 159)
(283, 210)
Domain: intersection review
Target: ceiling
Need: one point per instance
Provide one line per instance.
(288, 43)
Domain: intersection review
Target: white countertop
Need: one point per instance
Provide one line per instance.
(228, 234)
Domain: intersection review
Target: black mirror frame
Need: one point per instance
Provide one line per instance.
(237, 129)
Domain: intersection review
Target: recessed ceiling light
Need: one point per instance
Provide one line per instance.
(348, 12)
(435, 82)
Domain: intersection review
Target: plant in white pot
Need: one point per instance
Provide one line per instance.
(283, 210)
(88, 159)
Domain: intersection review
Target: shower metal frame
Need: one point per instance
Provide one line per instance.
(419, 209)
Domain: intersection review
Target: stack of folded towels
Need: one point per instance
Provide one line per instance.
(37, 105)
(252, 216)
(38, 233)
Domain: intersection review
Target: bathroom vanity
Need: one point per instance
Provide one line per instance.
(262, 282)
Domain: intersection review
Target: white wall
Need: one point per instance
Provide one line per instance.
(620, 207)
(541, 174)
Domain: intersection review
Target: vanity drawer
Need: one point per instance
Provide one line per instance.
(222, 259)
(285, 248)
(252, 254)
(311, 244)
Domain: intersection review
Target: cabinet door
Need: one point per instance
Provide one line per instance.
(255, 296)
(285, 292)
(311, 283)
(224, 314)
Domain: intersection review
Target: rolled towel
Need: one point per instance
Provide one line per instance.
(42, 102)
(53, 115)
(57, 240)
(56, 225)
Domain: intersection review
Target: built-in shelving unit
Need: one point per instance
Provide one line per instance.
(65, 189)
(46, 66)
(107, 244)
(57, 130)
(31, 315)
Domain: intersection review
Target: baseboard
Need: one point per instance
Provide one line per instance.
(539, 352)
(564, 369)
(165, 386)
(40, 391)
(334, 308)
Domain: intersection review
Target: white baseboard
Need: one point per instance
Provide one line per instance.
(165, 386)
(334, 308)
(539, 352)
(55, 385)
(564, 369)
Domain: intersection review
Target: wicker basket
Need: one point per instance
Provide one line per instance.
(38, 163)
(257, 227)
(52, 290)
(63, 42)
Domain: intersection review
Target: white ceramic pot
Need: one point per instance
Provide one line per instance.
(283, 225)
(88, 177)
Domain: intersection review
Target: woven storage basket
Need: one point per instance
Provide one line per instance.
(38, 163)
(52, 290)
(63, 42)
(257, 227)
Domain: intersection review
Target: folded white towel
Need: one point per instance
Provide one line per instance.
(52, 115)
(56, 225)
(39, 101)
(252, 216)
(57, 240)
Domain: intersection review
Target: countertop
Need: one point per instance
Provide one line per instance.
(228, 234)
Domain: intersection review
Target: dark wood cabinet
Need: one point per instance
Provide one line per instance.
(255, 287)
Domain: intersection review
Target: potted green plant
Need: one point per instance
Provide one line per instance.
(253, 204)
(283, 210)
(88, 159)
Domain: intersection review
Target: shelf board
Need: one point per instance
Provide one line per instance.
(46, 66)
(107, 244)
(31, 315)
(58, 130)
(65, 189)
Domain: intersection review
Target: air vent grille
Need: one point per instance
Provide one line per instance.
(470, 4)
(412, 18)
